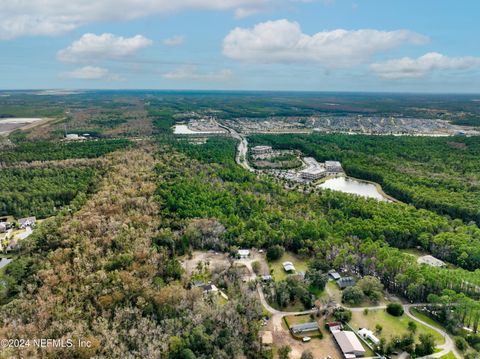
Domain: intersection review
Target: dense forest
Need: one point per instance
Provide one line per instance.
(42, 191)
(116, 257)
(28, 151)
(351, 232)
(117, 285)
(39, 178)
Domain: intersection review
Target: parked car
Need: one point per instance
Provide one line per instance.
(306, 339)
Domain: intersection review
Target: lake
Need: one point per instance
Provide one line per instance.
(353, 186)
(184, 130)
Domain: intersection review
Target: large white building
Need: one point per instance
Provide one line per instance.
(261, 150)
(314, 170)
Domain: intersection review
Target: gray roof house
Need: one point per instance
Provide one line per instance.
(346, 282)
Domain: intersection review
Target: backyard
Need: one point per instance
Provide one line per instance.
(276, 268)
(391, 326)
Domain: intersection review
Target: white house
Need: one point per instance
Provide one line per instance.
(243, 253)
(368, 334)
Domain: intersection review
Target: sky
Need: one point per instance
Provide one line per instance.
(286, 45)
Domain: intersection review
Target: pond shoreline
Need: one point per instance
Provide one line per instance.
(377, 186)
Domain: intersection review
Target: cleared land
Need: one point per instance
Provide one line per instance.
(279, 273)
(392, 326)
(8, 125)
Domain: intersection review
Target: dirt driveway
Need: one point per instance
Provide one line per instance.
(215, 261)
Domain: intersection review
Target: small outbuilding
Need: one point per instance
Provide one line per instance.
(349, 343)
(346, 282)
(305, 327)
(243, 253)
(288, 267)
(431, 261)
(27, 222)
(368, 334)
(267, 338)
(333, 274)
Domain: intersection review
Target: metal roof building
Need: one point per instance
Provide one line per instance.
(346, 282)
(288, 266)
(348, 343)
(334, 274)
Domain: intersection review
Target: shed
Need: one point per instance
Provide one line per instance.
(346, 282)
(368, 334)
(27, 222)
(288, 266)
(305, 327)
(332, 273)
(349, 343)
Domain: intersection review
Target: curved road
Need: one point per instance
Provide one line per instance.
(241, 156)
(277, 316)
(448, 346)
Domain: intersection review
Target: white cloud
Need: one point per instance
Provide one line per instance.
(54, 17)
(189, 72)
(174, 41)
(91, 73)
(407, 67)
(91, 47)
(282, 41)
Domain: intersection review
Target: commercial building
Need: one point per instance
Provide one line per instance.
(348, 343)
(314, 170)
(333, 166)
(261, 150)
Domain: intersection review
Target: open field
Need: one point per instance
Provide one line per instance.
(426, 318)
(392, 326)
(214, 261)
(8, 125)
(277, 270)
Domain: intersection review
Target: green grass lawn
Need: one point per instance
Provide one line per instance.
(298, 319)
(450, 355)
(426, 318)
(296, 306)
(276, 268)
(391, 325)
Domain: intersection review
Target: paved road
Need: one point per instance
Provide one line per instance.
(448, 346)
(242, 148)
